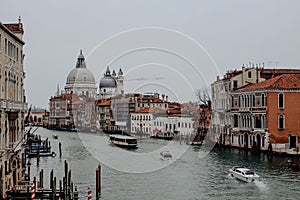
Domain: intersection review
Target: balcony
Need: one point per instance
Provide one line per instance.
(244, 109)
(13, 105)
(245, 129)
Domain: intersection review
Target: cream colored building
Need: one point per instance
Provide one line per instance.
(221, 98)
(12, 106)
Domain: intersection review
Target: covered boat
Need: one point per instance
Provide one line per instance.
(123, 141)
(243, 174)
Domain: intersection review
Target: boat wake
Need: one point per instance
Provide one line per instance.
(261, 185)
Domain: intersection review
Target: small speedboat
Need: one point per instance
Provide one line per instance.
(55, 136)
(166, 155)
(243, 174)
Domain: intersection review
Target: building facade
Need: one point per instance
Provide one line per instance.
(103, 113)
(71, 112)
(142, 120)
(12, 106)
(222, 100)
(267, 112)
(153, 120)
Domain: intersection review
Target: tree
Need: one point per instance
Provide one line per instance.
(204, 96)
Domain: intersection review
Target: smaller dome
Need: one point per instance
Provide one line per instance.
(108, 80)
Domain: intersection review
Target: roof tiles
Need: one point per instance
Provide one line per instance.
(285, 81)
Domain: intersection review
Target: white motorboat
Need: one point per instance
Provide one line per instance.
(243, 174)
(166, 155)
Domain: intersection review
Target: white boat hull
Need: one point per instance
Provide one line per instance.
(244, 177)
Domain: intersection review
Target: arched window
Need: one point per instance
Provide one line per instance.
(280, 101)
(280, 121)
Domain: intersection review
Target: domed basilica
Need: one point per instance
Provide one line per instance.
(81, 81)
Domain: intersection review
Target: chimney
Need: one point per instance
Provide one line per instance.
(163, 97)
(167, 98)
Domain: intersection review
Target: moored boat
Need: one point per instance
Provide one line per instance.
(293, 165)
(162, 135)
(123, 141)
(243, 174)
(196, 142)
(41, 154)
(39, 150)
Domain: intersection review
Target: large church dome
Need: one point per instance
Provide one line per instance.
(80, 74)
(108, 81)
(81, 80)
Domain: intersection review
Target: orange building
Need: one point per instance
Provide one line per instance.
(268, 112)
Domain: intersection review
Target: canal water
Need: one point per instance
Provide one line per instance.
(141, 174)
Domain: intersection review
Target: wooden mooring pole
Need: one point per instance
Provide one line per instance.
(60, 189)
(98, 182)
(60, 153)
(41, 178)
(51, 179)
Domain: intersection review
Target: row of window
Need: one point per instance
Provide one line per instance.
(148, 105)
(259, 121)
(11, 50)
(248, 101)
(256, 121)
(141, 117)
(139, 129)
(179, 124)
(254, 101)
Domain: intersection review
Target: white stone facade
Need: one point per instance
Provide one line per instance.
(179, 125)
(142, 123)
(149, 123)
(12, 106)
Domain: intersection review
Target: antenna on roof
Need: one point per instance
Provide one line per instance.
(19, 19)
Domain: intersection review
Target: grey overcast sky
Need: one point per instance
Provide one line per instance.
(233, 32)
